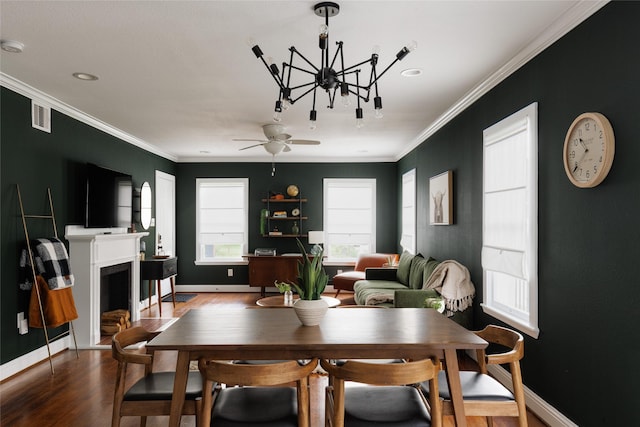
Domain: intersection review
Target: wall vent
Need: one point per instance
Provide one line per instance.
(40, 117)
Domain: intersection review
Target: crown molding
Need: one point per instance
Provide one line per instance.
(556, 30)
(54, 103)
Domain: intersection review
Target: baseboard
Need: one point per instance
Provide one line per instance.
(23, 362)
(543, 410)
(230, 288)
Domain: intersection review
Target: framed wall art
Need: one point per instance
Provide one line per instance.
(441, 199)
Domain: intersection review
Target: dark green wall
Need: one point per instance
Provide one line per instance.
(36, 160)
(589, 239)
(589, 289)
(307, 176)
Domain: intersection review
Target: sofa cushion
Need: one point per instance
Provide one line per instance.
(416, 272)
(432, 263)
(373, 292)
(404, 267)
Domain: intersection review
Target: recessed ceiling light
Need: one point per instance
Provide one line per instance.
(85, 76)
(411, 72)
(11, 46)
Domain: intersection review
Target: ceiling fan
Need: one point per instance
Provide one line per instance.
(277, 141)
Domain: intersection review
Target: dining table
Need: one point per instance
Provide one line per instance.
(277, 334)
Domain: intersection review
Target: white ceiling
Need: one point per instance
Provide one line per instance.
(178, 78)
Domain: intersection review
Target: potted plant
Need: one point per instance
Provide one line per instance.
(285, 288)
(312, 280)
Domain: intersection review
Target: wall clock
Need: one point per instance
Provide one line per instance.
(588, 150)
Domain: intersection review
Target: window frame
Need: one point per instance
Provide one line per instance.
(408, 209)
(517, 264)
(328, 183)
(244, 183)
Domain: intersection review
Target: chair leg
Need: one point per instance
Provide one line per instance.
(143, 421)
(337, 292)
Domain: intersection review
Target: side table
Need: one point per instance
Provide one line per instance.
(158, 269)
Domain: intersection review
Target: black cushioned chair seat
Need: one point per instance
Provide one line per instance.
(384, 405)
(269, 406)
(475, 386)
(159, 386)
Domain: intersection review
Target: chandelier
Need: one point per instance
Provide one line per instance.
(331, 76)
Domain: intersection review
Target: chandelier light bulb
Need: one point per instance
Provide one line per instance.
(285, 104)
(323, 30)
(312, 125)
(379, 114)
(359, 123)
(413, 45)
(277, 116)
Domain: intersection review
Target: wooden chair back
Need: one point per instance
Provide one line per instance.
(125, 356)
(258, 375)
(379, 374)
(514, 352)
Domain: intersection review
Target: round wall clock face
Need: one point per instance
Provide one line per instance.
(588, 150)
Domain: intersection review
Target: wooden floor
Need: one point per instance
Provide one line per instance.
(81, 391)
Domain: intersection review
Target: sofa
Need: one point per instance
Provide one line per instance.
(344, 281)
(415, 279)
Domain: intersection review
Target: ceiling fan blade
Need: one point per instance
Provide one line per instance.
(282, 137)
(303, 142)
(249, 140)
(286, 148)
(251, 146)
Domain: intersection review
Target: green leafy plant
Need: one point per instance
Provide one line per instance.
(312, 279)
(282, 286)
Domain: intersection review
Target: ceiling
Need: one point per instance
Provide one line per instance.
(179, 79)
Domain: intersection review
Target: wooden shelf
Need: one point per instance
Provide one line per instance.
(284, 235)
(290, 218)
(284, 200)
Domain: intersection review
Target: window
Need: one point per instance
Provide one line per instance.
(222, 207)
(510, 220)
(408, 238)
(349, 218)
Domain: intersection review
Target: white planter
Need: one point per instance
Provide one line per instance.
(310, 312)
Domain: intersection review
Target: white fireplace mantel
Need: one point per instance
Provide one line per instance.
(89, 251)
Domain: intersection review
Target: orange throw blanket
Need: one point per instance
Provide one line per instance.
(58, 305)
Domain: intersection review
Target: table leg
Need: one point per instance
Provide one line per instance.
(149, 286)
(455, 389)
(173, 290)
(159, 294)
(179, 388)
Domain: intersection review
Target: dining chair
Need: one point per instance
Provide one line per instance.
(151, 393)
(256, 393)
(387, 394)
(483, 395)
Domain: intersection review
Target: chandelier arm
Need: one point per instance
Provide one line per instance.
(335, 56)
(275, 76)
(293, 101)
(290, 62)
(301, 69)
(293, 49)
(379, 76)
(331, 98)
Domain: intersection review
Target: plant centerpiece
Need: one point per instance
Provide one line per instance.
(312, 280)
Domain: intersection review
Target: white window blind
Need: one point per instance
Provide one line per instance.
(408, 238)
(509, 220)
(349, 218)
(222, 219)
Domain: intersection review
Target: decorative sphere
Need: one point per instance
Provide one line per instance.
(292, 190)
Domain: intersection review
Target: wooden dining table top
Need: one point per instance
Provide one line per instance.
(344, 333)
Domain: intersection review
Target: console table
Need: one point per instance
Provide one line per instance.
(158, 269)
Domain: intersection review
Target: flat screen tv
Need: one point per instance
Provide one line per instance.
(109, 198)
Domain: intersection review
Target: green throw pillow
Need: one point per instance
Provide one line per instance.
(432, 263)
(404, 266)
(416, 273)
